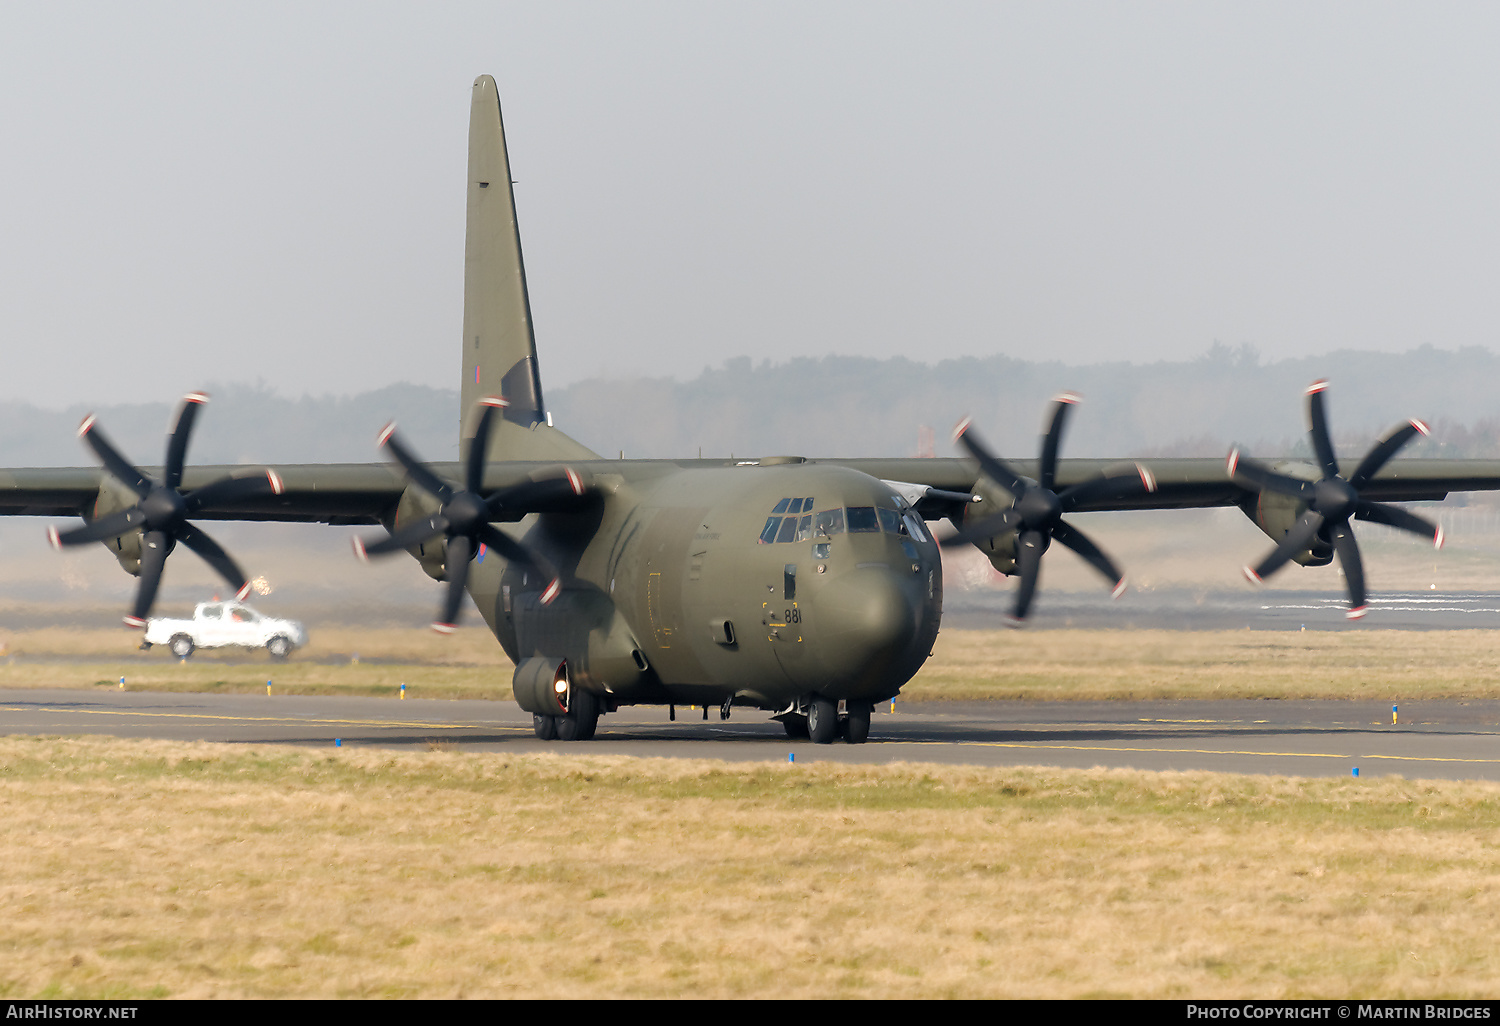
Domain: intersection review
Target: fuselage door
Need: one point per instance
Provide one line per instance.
(655, 611)
(783, 619)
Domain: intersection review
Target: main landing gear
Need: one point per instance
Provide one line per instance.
(579, 724)
(821, 720)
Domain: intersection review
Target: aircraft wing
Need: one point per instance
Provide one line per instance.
(348, 493)
(1190, 483)
(327, 493)
(367, 493)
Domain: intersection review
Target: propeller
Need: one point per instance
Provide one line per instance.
(1332, 500)
(464, 518)
(1036, 515)
(161, 514)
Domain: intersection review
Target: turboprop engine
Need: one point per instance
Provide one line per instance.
(144, 532)
(1324, 503)
(1015, 537)
(1276, 514)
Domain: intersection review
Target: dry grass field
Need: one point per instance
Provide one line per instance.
(1141, 664)
(966, 665)
(150, 869)
(338, 660)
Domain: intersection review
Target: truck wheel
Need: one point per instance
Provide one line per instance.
(181, 646)
(280, 647)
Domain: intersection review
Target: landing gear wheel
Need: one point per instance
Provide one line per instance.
(545, 726)
(181, 646)
(857, 726)
(582, 719)
(279, 647)
(795, 726)
(822, 720)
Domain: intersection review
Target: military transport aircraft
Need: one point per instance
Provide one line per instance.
(807, 588)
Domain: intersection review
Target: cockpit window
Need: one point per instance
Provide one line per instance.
(819, 526)
(788, 530)
(862, 520)
(768, 533)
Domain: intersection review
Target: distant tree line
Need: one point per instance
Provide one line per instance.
(851, 406)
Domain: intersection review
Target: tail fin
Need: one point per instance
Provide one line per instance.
(499, 345)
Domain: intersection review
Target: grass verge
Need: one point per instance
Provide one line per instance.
(1144, 664)
(138, 869)
(965, 665)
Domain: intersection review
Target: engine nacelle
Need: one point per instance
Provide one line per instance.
(414, 505)
(114, 497)
(999, 549)
(1277, 514)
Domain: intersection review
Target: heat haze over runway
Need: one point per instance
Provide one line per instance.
(1242, 608)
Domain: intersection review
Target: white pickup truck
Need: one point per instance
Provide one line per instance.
(217, 624)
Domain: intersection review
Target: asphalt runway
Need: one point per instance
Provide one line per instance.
(1444, 739)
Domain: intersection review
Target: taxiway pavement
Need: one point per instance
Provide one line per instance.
(1439, 739)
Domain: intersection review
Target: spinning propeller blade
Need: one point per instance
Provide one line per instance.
(161, 514)
(1332, 500)
(1036, 514)
(464, 517)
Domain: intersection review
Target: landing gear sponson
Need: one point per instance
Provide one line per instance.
(561, 711)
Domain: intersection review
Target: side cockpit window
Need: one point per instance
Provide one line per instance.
(828, 523)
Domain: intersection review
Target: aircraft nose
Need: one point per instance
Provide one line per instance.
(866, 622)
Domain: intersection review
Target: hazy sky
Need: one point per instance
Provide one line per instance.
(201, 192)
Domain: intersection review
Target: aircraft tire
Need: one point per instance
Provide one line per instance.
(822, 720)
(181, 646)
(857, 726)
(582, 720)
(545, 726)
(795, 726)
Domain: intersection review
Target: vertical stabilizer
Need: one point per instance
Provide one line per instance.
(499, 345)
